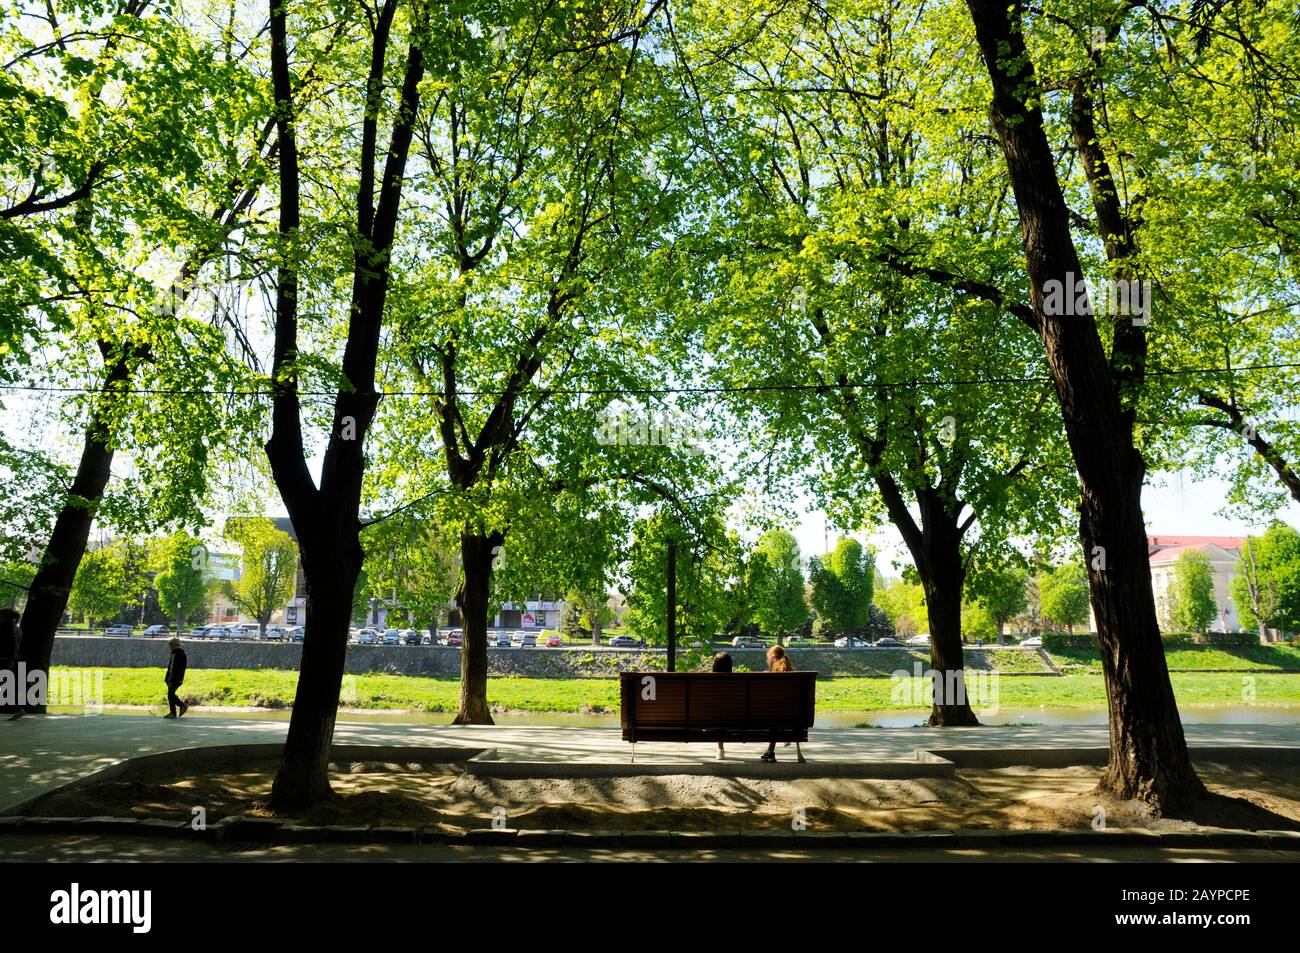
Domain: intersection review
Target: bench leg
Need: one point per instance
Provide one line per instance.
(634, 752)
(799, 752)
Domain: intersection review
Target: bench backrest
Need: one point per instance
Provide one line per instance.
(702, 701)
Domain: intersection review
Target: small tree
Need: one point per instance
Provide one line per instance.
(842, 586)
(100, 589)
(1191, 592)
(1063, 596)
(1001, 593)
(1266, 587)
(268, 570)
(774, 584)
(181, 578)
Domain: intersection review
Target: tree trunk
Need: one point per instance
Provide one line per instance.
(476, 552)
(48, 597)
(1148, 753)
(943, 578)
(331, 572)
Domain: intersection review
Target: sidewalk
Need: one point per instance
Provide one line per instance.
(38, 754)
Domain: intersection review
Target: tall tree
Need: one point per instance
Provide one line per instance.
(130, 75)
(326, 513)
(1098, 396)
(547, 166)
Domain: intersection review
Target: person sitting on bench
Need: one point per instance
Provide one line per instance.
(722, 663)
(777, 661)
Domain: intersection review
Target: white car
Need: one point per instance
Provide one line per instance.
(851, 643)
(1033, 643)
(922, 639)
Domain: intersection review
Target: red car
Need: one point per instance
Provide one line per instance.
(455, 637)
(553, 641)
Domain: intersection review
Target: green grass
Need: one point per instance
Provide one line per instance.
(1253, 657)
(273, 688)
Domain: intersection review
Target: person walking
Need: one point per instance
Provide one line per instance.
(175, 678)
(777, 661)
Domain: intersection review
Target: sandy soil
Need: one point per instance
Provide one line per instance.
(1264, 797)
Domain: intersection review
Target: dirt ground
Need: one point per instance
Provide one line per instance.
(444, 796)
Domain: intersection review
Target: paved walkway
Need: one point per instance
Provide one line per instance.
(38, 754)
(106, 849)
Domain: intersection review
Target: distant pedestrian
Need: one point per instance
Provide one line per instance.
(722, 664)
(9, 641)
(175, 678)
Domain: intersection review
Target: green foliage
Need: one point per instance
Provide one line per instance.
(102, 587)
(1191, 592)
(1001, 594)
(1063, 595)
(1268, 576)
(268, 568)
(774, 584)
(842, 585)
(903, 602)
(707, 570)
(181, 576)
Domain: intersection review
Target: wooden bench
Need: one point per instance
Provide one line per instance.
(717, 706)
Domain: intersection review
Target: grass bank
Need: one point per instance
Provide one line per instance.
(273, 688)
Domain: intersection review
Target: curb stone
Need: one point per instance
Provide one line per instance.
(264, 830)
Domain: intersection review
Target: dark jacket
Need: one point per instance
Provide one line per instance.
(176, 669)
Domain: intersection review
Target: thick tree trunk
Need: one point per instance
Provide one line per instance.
(943, 577)
(48, 597)
(476, 553)
(331, 573)
(1148, 753)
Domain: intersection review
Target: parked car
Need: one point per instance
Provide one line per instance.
(455, 637)
(411, 637)
(748, 642)
(625, 642)
(848, 642)
(797, 640)
(153, 631)
(921, 639)
(503, 640)
(888, 643)
(528, 640)
(392, 637)
(553, 640)
(1033, 642)
(127, 630)
(276, 633)
(297, 633)
(367, 637)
